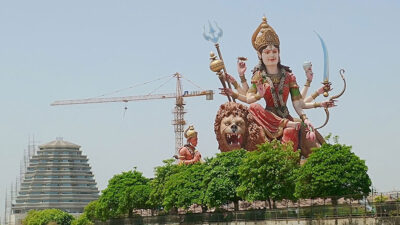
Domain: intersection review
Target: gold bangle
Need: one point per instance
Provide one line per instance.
(317, 104)
(303, 117)
(307, 84)
(243, 79)
(235, 84)
(296, 98)
(235, 95)
(315, 95)
(257, 96)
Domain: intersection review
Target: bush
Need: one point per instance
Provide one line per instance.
(380, 199)
(47, 216)
(82, 220)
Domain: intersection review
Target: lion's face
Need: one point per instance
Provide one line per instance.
(235, 128)
(232, 130)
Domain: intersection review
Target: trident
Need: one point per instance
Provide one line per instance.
(216, 65)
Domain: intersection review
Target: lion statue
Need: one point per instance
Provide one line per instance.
(236, 128)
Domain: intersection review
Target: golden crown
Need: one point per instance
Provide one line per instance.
(190, 132)
(264, 36)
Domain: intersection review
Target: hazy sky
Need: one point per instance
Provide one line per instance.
(54, 50)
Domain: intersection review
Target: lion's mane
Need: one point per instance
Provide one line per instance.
(254, 133)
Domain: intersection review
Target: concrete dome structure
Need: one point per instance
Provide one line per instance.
(58, 176)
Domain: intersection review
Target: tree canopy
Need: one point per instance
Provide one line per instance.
(157, 185)
(333, 171)
(43, 217)
(121, 195)
(90, 210)
(269, 173)
(184, 188)
(221, 178)
(82, 220)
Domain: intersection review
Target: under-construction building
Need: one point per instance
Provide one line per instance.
(57, 176)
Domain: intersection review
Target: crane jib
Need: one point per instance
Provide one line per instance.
(208, 93)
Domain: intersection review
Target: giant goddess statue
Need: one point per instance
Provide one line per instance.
(274, 82)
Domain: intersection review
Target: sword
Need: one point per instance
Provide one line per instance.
(325, 80)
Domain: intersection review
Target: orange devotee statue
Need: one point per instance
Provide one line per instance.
(188, 153)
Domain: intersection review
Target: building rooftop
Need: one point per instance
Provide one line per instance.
(59, 143)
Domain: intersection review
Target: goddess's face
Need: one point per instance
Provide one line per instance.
(270, 55)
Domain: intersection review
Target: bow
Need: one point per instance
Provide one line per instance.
(341, 71)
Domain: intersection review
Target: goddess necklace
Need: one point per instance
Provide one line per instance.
(273, 79)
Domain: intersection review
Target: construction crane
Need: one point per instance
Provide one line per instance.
(178, 122)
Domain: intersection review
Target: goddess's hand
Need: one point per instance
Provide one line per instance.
(226, 91)
(241, 67)
(307, 66)
(322, 89)
(310, 135)
(261, 88)
(328, 104)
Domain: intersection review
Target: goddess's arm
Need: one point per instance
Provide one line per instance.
(254, 92)
(241, 66)
(311, 97)
(299, 105)
(309, 103)
(241, 89)
(250, 97)
(245, 86)
(305, 88)
(297, 100)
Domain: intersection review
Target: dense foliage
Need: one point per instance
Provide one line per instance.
(269, 173)
(183, 188)
(124, 193)
(82, 220)
(43, 217)
(221, 179)
(90, 210)
(157, 185)
(333, 171)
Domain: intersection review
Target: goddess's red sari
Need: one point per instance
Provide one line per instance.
(275, 127)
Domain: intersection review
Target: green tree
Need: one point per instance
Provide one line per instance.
(137, 196)
(157, 185)
(333, 171)
(82, 220)
(269, 173)
(221, 179)
(184, 188)
(90, 210)
(116, 200)
(43, 217)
